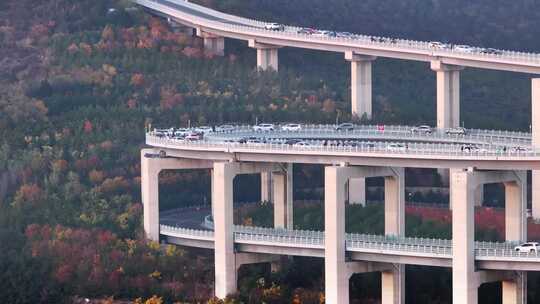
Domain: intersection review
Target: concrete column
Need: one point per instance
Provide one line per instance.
(447, 94)
(336, 272)
(361, 88)
(535, 126)
(266, 187)
(515, 291)
(267, 59)
(479, 196)
(214, 45)
(225, 267)
(150, 196)
(464, 278)
(393, 282)
(212, 195)
(280, 200)
(357, 191)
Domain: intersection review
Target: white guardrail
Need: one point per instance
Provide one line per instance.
(355, 242)
(245, 26)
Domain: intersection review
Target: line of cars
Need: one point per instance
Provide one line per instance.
(191, 134)
(436, 45)
(463, 48)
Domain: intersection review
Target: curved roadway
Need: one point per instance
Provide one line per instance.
(184, 227)
(366, 145)
(225, 25)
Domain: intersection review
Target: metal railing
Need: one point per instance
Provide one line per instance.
(255, 28)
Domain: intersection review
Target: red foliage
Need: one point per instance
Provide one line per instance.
(30, 192)
(137, 79)
(88, 127)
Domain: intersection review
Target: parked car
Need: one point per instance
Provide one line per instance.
(528, 247)
(344, 35)
(264, 127)
(456, 131)
(292, 127)
(422, 129)
(464, 48)
(274, 27)
(345, 127)
(193, 136)
(181, 132)
(396, 147)
(292, 141)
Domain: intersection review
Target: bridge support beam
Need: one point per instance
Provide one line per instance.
(151, 166)
(222, 196)
(535, 126)
(213, 44)
(393, 282)
(463, 184)
(267, 56)
(448, 101)
(357, 191)
(515, 290)
(337, 268)
(361, 88)
(447, 94)
(283, 198)
(266, 187)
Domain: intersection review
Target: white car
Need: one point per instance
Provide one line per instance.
(274, 27)
(456, 131)
(528, 247)
(264, 127)
(464, 48)
(472, 149)
(422, 129)
(225, 128)
(181, 132)
(193, 136)
(396, 147)
(204, 129)
(292, 127)
(438, 45)
(519, 149)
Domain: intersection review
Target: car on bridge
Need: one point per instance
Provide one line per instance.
(529, 247)
(491, 51)
(469, 148)
(194, 136)
(519, 149)
(455, 131)
(397, 147)
(422, 129)
(439, 45)
(204, 129)
(292, 127)
(264, 127)
(274, 27)
(347, 126)
(464, 48)
(225, 128)
(306, 31)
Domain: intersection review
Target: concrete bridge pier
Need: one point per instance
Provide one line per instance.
(226, 260)
(266, 187)
(213, 44)
(361, 88)
(283, 203)
(448, 101)
(338, 269)
(357, 191)
(535, 126)
(465, 278)
(267, 55)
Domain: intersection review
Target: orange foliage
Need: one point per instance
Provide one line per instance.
(170, 98)
(60, 165)
(29, 193)
(113, 185)
(96, 176)
(137, 79)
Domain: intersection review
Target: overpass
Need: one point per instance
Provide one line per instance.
(348, 166)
